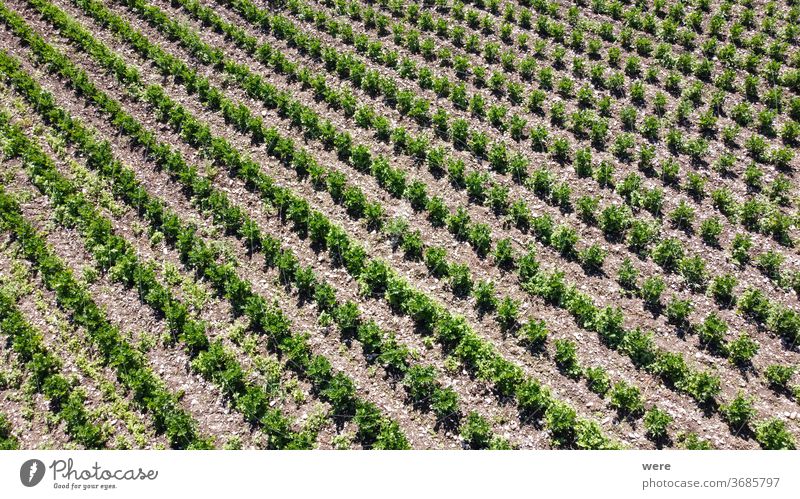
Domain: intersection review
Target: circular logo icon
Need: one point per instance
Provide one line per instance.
(31, 472)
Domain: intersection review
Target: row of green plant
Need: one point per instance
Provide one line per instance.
(119, 259)
(615, 221)
(533, 399)
(211, 359)
(753, 214)
(744, 347)
(512, 61)
(66, 400)
(424, 390)
(741, 342)
(507, 310)
(507, 313)
(113, 406)
(149, 391)
(645, 49)
(582, 122)
(771, 221)
(427, 394)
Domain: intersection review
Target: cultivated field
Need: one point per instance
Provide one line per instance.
(390, 224)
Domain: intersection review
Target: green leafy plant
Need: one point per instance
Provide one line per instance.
(445, 406)
(696, 185)
(476, 432)
(504, 254)
(7, 440)
(614, 220)
(589, 436)
(587, 208)
(628, 275)
(710, 230)
(740, 248)
(682, 216)
(779, 375)
(640, 347)
(739, 411)
(656, 423)
(785, 322)
(668, 253)
(420, 383)
(597, 380)
(690, 441)
(773, 435)
(712, 333)
(436, 261)
(651, 291)
(507, 314)
(641, 234)
(693, 271)
(561, 421)
(678, 311)
(480, 237)
(485, 298)
(741, 350)
(701, 386)
(721, 289)
(566, 357)
(626, 400)
(564, 239)
(770, 263)
(592, 258)
(533, 334)
(460, 279)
